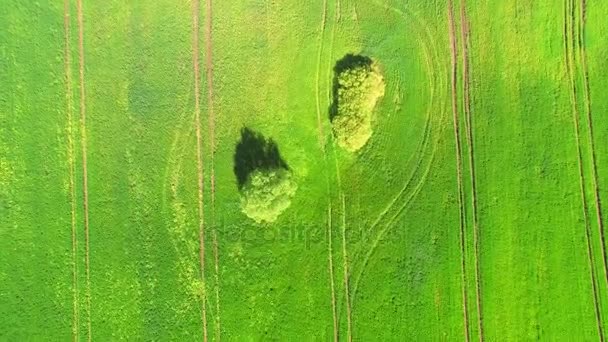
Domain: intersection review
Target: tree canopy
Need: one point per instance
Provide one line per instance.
(358, 86)
(267, 193)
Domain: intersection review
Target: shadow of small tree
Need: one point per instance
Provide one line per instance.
(350, 61)
(255, 152)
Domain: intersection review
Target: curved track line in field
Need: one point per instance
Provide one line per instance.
(420, 147)
(71, 161)
(465, 41)
(428, 56)
(431, 59)
(211, 114)
(85, 183)
(454, 75)
(568, 32)
(390, 222)
(426, 131)
(199, 160)
(323, 151)
(590, 136)
(412, 195)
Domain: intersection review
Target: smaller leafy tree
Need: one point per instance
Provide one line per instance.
(267, 193)
(358, 85)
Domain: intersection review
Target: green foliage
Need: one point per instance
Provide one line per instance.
(358, 89)
(267, 194)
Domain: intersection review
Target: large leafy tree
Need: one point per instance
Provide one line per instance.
(357, 88)
(267, 193)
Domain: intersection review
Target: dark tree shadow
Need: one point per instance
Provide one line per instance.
(254, 152)
(349, 61)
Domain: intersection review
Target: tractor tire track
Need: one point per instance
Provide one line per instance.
(423, 145)
(71, 162)
(211, 118)
(85, 183)
(345, 263)
(454, 78)
(324, 152)
(199, 161)
(217, 286)
(331, 273)
(428, 125)
(391, 221)
(425, 142)
(318, 78)
(345, 269)
(465, 41)
(569, 55)
(590, 136)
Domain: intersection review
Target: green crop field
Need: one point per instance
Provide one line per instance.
(327, 170)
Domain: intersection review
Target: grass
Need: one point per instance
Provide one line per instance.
(389, 214)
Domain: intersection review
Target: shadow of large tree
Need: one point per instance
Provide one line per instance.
(254, 152)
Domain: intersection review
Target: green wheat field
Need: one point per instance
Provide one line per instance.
(476, 209)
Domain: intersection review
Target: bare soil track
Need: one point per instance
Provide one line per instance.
(71, 162)
(454, 78)
(211, 118)
(85, 182)
(465, 41)
(590, 136)
(569, 60)
(199, 160)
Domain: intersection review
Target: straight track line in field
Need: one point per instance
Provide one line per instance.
(85, 182)
(211, 118)
(318, 78)
(590, 136)
(324, 152)
(465, 41)
(331, 272)
(569, 55)
(199, 160)
(345, 268)
(71, 162)
(217, 286)
(329, 224)
(454, 76)
(341, 192)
